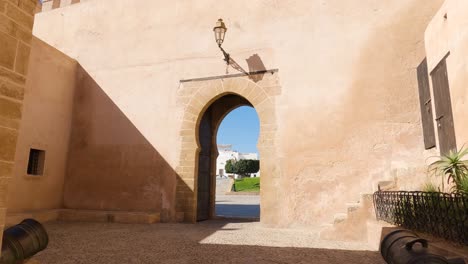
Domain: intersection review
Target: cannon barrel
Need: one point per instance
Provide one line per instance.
(22, 241)
(406, 247)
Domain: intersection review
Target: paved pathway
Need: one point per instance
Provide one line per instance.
(238, 206)
(235, 206)
(205, 242)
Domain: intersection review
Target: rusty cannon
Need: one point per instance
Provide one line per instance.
(406, 247)
(22, 241)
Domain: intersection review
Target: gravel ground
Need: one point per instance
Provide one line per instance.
(206, 242)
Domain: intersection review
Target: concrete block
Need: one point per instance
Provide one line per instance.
(8, 139)
(22, 59)
(10, 123)
(8, 50)
(20, 17)
(11, 28)
(4, 182)
(12, 76)
(28, 6)
(12, 90)
(10, 109)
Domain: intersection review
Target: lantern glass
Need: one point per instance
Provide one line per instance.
(219, 31)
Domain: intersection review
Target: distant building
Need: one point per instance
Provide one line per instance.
(227, 153)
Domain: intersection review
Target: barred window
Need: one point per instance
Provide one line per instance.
(36, 162)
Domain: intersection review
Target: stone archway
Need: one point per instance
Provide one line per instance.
(207, 156)
(196, 96)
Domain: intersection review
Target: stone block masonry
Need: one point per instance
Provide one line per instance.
(16, 22)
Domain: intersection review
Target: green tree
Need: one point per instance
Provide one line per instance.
(229, 167)
(245, 167)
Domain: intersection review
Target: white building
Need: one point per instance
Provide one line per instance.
(226, 153)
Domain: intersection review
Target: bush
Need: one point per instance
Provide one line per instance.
(242, 167)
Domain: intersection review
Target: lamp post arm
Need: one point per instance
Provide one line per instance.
(231, 62)
(227, 57)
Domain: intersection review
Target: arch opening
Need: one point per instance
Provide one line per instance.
(213, 185)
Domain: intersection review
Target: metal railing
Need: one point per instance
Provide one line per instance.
(439, 214)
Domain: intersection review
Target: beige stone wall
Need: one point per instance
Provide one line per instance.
(46, 122)
(16, 21)
(347, 114)
(448, 32)
(111, 164)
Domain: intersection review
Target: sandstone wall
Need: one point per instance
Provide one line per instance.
(448, 32)
(16, 22)
(46, 124)
(347, 113)
(111, 165)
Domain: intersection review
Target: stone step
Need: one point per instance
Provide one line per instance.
(326, 225)
(353, 207)
(386, 185)
(340, 217)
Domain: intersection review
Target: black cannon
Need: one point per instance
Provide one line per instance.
(405, 247)
(22, 241)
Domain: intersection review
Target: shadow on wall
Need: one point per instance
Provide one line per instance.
(255, 64)
(111, 166)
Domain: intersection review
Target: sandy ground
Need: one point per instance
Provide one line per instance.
(206, 242)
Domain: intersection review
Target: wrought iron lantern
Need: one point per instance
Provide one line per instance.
(219, 32)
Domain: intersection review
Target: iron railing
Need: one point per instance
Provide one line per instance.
(439, 214)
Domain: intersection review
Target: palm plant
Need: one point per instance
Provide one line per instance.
(430, 187)
(453, 166)
(463, 186)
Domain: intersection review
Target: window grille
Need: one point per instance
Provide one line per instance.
(36, 162)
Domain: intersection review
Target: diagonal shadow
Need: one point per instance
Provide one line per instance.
(111, 165)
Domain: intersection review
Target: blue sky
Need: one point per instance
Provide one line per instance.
(240, 128)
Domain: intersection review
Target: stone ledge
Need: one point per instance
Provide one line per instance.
(41, 216)
(125, 217)
(109, 216)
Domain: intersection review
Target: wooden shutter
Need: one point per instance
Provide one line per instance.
(426, 106)
(443, 107)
